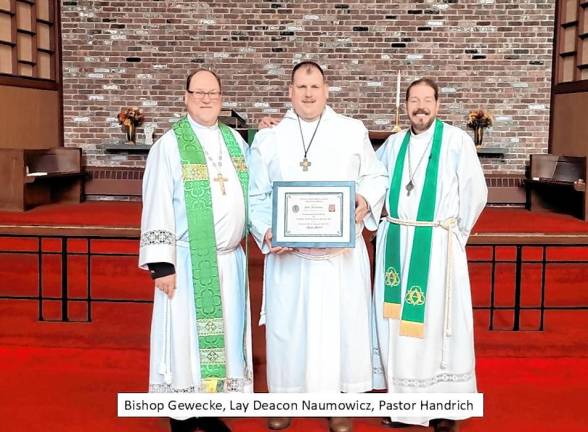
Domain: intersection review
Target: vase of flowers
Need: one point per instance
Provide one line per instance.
(478, 120)
(130, 118)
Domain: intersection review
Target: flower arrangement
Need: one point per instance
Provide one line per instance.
(478, 120)
(130, 118)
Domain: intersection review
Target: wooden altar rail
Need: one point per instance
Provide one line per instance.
(489, 238)
(518, 241)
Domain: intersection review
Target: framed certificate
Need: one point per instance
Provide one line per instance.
(314, 214)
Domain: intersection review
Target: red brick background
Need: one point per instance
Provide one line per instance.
(494, 54)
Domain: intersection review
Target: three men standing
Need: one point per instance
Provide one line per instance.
(317, 302)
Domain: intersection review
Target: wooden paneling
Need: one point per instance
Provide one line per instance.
(29, 29)
(569, 100)
(5, 27)
(44, 65)
(30, 88)
(43, 10)
(5, 59)
(24, 16)
(30, 118)
(570, 128)
(571, 48)
(24, 43)
(570, 8)
(568, 66)
(25, 69)
(43, 36)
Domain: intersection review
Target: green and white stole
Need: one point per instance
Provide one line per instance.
(413, 307)
(202, 241)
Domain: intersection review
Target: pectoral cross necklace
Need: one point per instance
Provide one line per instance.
(410, 185)
(220, 179)
(305, 162)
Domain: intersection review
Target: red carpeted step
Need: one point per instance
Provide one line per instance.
(128, 214)
(70, 390)
(98, 213)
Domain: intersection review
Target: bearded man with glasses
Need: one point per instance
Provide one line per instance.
(194, 218)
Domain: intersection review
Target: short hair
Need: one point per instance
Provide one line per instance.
(189, 79)
(427, 81)
(308, 64)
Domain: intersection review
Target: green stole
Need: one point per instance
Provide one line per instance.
(413, 307)
(202, 241)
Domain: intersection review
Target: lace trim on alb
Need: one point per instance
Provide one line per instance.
(230, 385)
(158, 237)
(428, 382)
(377, 368)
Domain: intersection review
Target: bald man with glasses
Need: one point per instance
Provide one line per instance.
(193, 221)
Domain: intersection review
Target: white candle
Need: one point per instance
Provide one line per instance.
(398, 91)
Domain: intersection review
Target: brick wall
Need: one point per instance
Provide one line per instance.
(494, 54)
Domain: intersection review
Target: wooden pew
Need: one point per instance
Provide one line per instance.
(558, 183)
(35, 177)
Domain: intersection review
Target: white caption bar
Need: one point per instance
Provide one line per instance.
(183, 405)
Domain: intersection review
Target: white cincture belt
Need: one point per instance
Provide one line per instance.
(449, 225)
(328, 252)
(224, 251)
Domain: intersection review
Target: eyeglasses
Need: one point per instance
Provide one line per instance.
(199, 94)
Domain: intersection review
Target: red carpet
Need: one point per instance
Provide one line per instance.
(64, 377)
(73, 390)
(128, 214)
(510, 220)
(99, 213)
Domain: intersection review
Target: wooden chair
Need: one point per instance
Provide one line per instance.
(557, 183)
(34, 177)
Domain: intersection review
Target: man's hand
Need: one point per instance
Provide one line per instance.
(267, 122)
(361, 208)
(167, 284)
(277, 250)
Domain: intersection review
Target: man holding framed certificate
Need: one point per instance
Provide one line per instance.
(315, 183)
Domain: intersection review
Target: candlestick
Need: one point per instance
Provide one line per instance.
(396, 127)
(398, 91)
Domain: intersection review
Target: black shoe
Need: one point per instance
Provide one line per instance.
(444, 425)
(212, 424)
(392, 424)
(188, 425)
